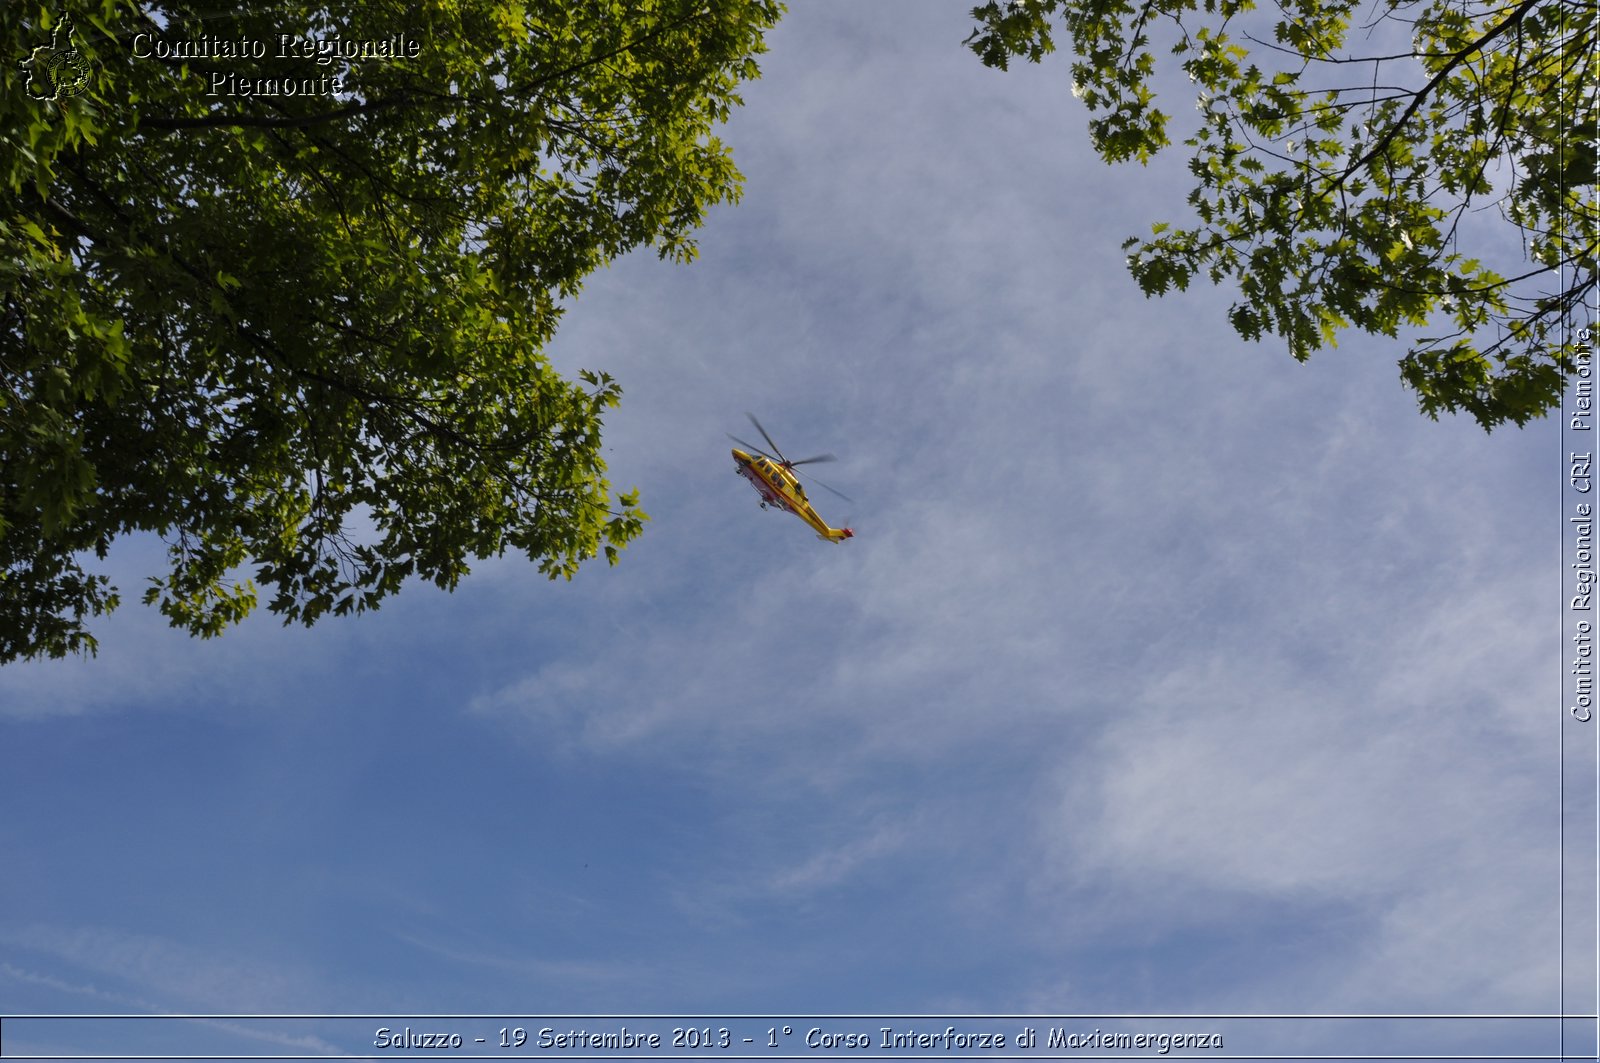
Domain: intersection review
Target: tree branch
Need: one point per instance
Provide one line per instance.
(1423, 93)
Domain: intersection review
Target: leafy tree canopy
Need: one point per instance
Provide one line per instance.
(1400, 165)
(280, 296)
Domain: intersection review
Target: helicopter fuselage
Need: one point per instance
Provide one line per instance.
(779, 488)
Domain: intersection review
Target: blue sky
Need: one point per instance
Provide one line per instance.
(1164, 674)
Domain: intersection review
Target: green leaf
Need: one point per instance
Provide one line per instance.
(1351, 206)
(306, 338)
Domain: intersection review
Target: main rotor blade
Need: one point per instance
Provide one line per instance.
(764, 435)
(747, 446)
(808, 461)
(825, 487)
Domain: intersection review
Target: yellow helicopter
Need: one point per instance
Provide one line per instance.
(774, 478)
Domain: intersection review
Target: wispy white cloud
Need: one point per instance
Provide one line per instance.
(1408, 782)
(177, 975)
(145, 962)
